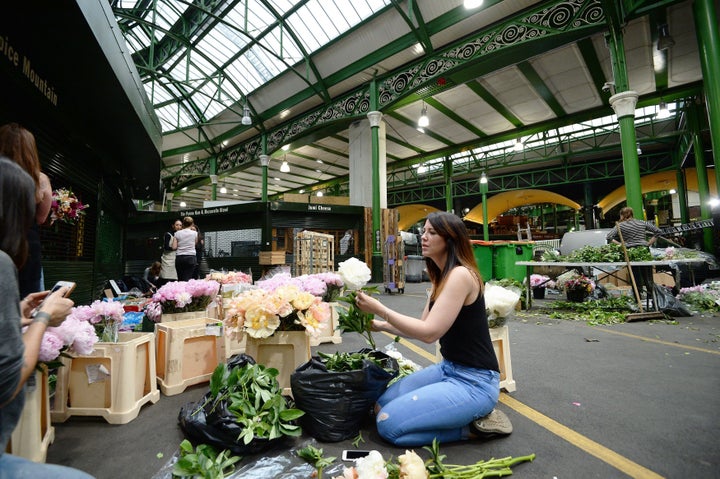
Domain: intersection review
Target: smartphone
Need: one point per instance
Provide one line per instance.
(60, 284)
(353, 454)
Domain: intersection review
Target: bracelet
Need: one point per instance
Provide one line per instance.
(41, 317)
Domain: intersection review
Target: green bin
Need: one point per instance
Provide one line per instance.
(483, 251)
(505, 253)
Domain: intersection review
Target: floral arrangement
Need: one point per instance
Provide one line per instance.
(181, 297)
(105, 316)
(500, 302)
(231, 277)
(66, 207)
(580, 283)
(75, 334)
(260, 312)
(703, 297)
(325, 285)
(540, 281)
(355, 274)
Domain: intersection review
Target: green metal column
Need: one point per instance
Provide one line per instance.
(213, 171)
(486, 221)
(682, 196)
(702, 175)
(447, 173)
(623, 103)
(706, 24)
(589, 213)
(264, 161)
(375, 117)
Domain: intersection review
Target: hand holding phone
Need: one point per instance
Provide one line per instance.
(59, 285)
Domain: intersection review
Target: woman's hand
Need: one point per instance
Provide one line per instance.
(368, 304)
(30, 302)
(55, 304)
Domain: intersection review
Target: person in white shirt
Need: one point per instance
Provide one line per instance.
(184, 245)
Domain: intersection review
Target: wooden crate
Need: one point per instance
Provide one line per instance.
(187, 353)
(272, 257)
(314, 253)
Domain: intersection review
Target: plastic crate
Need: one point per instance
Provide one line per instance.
(505, 254)
(329, 332)
(34, 434)
(113, 382)
(284, 351)
(188, 352)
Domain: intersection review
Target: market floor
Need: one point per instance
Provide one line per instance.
(630, 400)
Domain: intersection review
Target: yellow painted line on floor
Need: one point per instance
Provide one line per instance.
(593, 448)
(658, 341)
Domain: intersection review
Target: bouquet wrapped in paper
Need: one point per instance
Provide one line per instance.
(499, 303)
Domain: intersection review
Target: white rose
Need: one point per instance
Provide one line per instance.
(354, 273)
(412, 466)
(371, 466)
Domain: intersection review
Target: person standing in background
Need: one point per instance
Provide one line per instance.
(167, 271)
(184, 244)
(199, 249)
(18, 144)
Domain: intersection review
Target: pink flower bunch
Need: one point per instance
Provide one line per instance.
(105, 316)
(66, 207)
(323, 285)
(186, 296)
(231, 277)
(581, 283)
(260, 312)
(74, 335)
(539, 280)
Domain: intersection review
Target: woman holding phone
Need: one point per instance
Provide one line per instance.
(18, 350)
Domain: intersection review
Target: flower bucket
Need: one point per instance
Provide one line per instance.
(538, 293)
(576, 296)
(284, 351)
(34, 434)
(113, 382)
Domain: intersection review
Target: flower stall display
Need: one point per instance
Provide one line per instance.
(538, 283)
(173, 300)
(106, 316)
(577, 287)
(66, 207)
(74, 335)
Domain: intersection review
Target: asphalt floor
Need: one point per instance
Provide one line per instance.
(636, 399)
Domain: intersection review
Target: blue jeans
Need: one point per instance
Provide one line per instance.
(439, 401)
(14, 467)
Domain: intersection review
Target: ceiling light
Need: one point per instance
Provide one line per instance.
(663, 111)
(246, 120)
(472, 3)
(319, 161)
(639, 150)
(223, 190)
(423, 121)
(421, 130)
(665, 41)
(183, 204)
(285, 147)
(302, 191)
(519, 146)
(285, 168)
(319, 193)
(483, 178)
(672, 191)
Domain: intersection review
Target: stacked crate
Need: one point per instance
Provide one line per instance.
(314, 253)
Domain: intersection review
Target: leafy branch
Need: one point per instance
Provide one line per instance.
(203, 462)
(352, 319)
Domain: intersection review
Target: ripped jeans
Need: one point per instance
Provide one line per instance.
(436, 402)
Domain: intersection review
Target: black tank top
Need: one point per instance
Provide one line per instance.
(468, 342)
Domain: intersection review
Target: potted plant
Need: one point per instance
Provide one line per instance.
(579, 288)
(538, 283)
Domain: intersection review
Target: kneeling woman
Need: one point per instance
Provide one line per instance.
(454, 399)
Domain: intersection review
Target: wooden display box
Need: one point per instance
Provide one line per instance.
(187, 353)
(272, 257)
(34, 433)
(113, 382)
(501, 344)
(284, 351)
(314, 253)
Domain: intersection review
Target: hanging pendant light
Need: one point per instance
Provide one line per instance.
(285, 167)
(423, 121)
(246, 120)
(519, 146)
(470, 4)
(483, 178)
(663, 111)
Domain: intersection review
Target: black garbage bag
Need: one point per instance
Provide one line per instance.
(209, 421)
(669, 304)
(337, 403)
